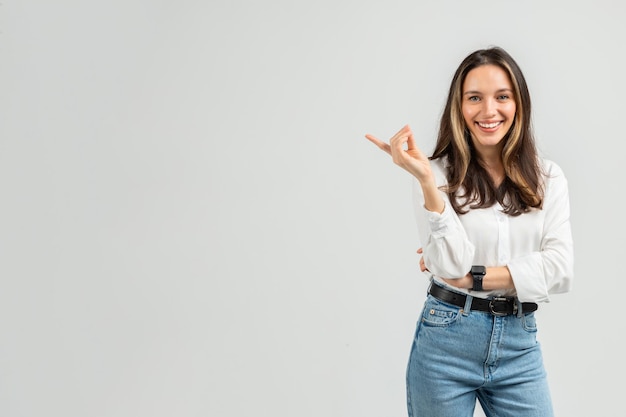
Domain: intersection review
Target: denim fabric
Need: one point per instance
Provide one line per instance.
(459, 356)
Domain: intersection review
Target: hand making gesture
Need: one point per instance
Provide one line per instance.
(411, 159)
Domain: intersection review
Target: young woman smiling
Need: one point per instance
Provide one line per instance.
(493, 220)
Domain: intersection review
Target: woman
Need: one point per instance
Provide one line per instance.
(493, 219)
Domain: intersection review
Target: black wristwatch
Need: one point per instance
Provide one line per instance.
(478, 273)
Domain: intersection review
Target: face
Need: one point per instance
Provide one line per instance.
(488, 105)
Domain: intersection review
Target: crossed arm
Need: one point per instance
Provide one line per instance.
(405, 153)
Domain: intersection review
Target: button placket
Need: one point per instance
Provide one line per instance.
(504, 250)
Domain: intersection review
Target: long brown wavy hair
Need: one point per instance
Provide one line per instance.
(469, 185)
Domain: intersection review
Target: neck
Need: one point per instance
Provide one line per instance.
(492, 162)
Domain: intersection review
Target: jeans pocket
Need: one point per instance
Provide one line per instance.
(439, 314)
(529, 323)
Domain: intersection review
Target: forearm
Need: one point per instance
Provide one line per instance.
(432, 197)
(496, 278)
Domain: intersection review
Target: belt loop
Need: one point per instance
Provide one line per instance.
(468, 305)
(520, 310)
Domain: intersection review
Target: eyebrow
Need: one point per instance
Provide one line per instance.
(502, 90)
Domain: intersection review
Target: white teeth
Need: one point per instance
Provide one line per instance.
(488, 125)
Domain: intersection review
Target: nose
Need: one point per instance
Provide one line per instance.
(490, 107)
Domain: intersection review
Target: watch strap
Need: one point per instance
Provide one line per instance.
(478, 273)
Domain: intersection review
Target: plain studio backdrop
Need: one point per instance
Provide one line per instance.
(194, 225)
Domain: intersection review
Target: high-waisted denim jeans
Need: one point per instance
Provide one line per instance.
(460, 355)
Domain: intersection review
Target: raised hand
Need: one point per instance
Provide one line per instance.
(412, 159)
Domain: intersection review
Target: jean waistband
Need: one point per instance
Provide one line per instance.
(498, 306)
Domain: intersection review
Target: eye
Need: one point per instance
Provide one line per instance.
(503, 97)
(474, 98)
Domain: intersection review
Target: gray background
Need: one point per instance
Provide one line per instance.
(193, 224)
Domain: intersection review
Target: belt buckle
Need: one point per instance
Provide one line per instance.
(503, 300)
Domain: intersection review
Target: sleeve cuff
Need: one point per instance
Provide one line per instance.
(528, 279)
(439, 223)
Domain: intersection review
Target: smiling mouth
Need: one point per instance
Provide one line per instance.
(488, 125)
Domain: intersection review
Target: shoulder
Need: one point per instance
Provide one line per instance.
(551, 170)
(555, 182)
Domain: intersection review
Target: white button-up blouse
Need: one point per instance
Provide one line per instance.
(536, 246)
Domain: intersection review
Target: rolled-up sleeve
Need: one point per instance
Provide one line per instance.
(548, 270)
(447, 251)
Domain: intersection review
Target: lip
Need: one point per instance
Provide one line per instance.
(489, 126)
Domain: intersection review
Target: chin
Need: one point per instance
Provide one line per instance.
(482, 141)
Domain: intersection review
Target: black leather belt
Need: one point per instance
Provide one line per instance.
(498, 306)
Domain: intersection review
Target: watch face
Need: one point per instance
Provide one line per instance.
(478, 270)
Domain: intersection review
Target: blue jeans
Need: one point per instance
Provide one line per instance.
(459, 356)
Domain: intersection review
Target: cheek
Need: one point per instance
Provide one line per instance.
(467, 116)
(511, 110)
